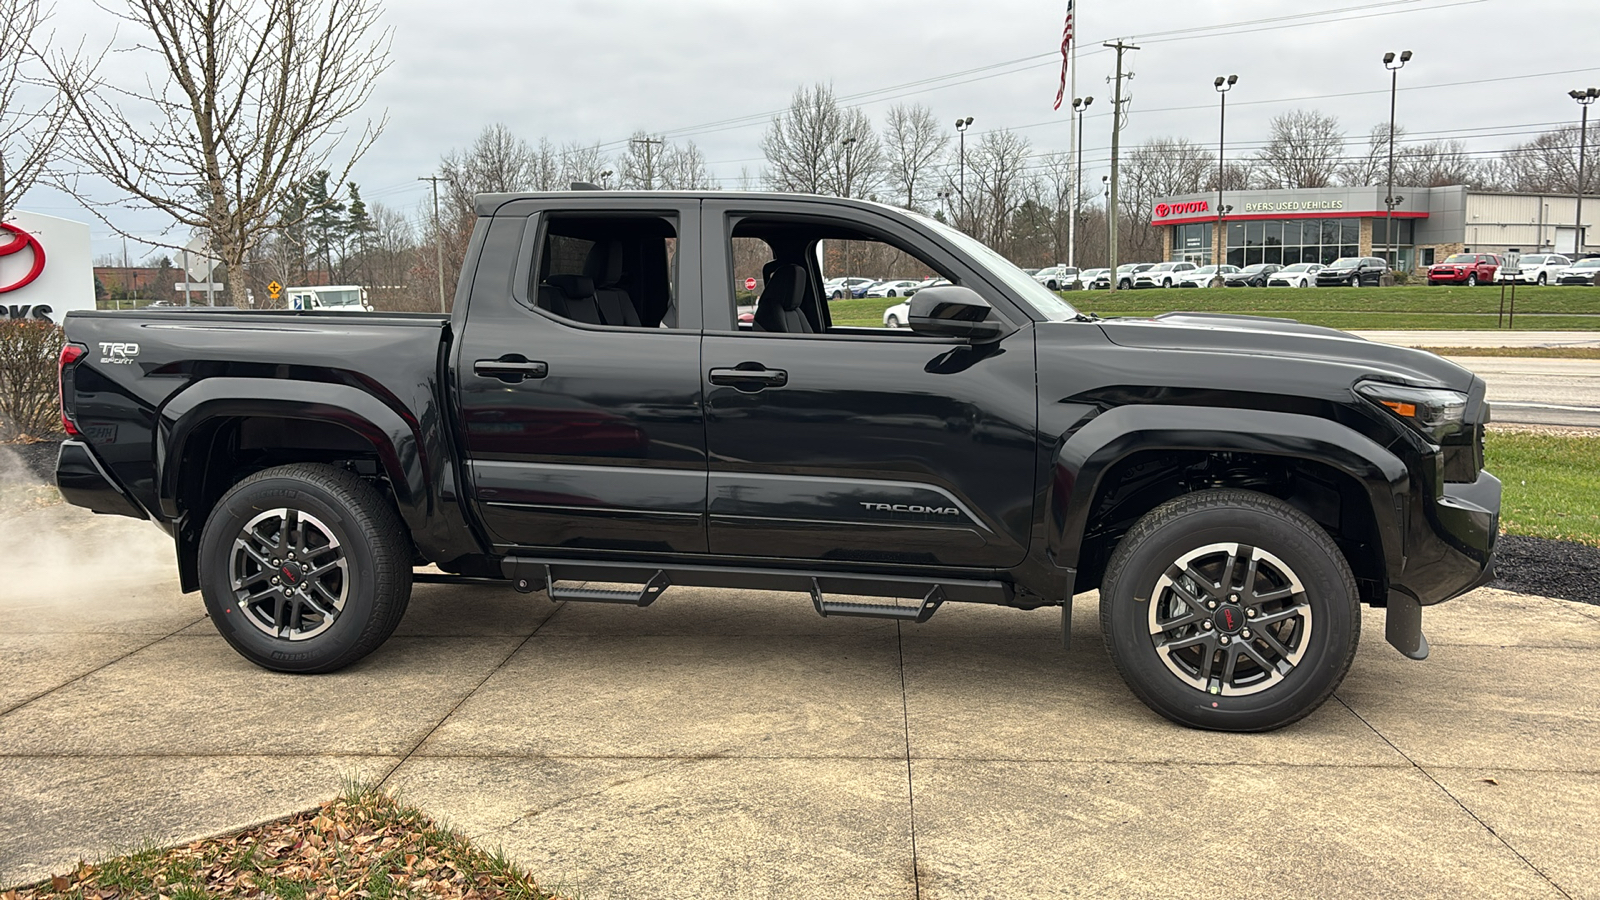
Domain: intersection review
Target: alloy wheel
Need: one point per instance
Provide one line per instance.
(1230, 619)
(289, 574)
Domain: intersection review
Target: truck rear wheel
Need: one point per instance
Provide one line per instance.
(1230, 610)
(304, 568)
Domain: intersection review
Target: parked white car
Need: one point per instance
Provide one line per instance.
(1163, 275)
(1534, 268)
(842, 288)
(897, 316)
(1202, 276)
(892, 288)
(1058, 278)
(1297, 275)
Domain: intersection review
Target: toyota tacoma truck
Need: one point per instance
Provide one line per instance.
(592, 420)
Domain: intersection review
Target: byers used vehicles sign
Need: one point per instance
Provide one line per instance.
(45, 267)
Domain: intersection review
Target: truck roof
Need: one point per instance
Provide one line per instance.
(487, 204)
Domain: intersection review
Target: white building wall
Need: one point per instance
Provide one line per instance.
(67, 281)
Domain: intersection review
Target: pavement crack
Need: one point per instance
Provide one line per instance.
(911, 791)
(467, 696)
(110, 662)
(1456, 800)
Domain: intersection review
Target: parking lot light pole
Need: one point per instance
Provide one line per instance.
(961, 129)
(1223, 86)
(1585, 99)
(1394, 66)
(1079, 104)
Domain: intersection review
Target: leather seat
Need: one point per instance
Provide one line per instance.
(571, 297)
(778, 310)
(603, 265)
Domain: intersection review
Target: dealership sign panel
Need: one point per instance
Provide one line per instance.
(46, 269)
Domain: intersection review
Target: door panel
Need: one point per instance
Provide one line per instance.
(895, 449)
(581, 436)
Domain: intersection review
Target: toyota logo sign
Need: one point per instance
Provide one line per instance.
(21, 240)
(1177, 209)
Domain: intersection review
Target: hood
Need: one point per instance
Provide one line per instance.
(1281, 339)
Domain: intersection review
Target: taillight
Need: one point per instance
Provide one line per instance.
(70, 353)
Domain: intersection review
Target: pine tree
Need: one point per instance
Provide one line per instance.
(325, 223)
(358, 228)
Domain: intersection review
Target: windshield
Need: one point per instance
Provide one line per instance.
(1044, 301)
(1461, 258)
(1205, 270)
(338, 299)
(1348, 262)
(1589, 263)
(1297, 267)
(1255, 268)
(1531, 260)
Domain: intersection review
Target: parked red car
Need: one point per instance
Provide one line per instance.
(1465, 268)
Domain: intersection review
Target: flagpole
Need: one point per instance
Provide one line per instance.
(1073, 139)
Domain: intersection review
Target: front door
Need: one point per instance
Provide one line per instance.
(853, 444)
(578, 378)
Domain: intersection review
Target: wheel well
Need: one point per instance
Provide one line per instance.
(226, 450)
(1142, 481)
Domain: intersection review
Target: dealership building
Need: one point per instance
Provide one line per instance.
(1323, 224)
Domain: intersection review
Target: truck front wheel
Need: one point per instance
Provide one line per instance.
(304, 568)
(1230, 610)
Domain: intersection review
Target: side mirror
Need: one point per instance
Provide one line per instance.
(953, 311)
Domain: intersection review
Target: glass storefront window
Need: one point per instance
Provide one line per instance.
(1350, 232)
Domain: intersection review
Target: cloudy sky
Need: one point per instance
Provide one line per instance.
(1490, 73)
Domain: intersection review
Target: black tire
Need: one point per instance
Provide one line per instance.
(1355, 281)
(837, 295)
(1541, 279)
(893, 322)
(1472, 279)
(319, 505)
(891, 293)
(1137, 588)
(1052, 285)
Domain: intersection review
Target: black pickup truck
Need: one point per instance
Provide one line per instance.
(594, 420)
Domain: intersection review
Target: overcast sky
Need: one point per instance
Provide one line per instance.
(1488, 72)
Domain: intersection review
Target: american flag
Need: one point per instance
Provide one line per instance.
(1066, 44)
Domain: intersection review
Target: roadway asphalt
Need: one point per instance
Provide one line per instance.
(1524, 391)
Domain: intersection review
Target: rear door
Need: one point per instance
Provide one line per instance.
(583, 429)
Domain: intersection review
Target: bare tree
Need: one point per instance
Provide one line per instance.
(802, 144)
(998, 185)
(583, 162)
(546, 172)
(913, 142)
(1547, 164)
(256, 96)
(1436, 164)
(497, 162)
(1306, 150)
(858, 165)
(31, 115)
(684, 169)
(1055, 183)
(640, 165)
(1159, 167)
(1371, 167)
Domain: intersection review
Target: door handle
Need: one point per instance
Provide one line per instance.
(750, 377)
(511, 368)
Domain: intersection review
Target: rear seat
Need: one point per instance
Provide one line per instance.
(604, 266)
(571, 297)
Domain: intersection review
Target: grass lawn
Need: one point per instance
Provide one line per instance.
(1552, 484)
(1536, 352)
(363, 844)
(1406, 307)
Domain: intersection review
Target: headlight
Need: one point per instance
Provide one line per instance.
(1437, 414)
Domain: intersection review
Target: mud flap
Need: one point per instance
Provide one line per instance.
(1403, 627)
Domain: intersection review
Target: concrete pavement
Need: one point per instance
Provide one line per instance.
(723, 744)
(1484, 338)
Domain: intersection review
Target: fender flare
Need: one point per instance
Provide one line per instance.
(1081, 461)
(397, 440)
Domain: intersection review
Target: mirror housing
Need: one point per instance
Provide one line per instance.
(953, 311)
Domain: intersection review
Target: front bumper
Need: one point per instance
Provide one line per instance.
(1448, 277)
(1451, 546)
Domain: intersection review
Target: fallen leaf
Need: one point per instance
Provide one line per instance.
(60, 882)
(1490, 781)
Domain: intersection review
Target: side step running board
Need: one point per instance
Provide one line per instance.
(825, 607)
(533, 574)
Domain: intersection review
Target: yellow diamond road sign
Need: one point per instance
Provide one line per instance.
(274, 288)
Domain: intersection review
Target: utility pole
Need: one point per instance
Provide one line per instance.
(649, 159)
(438, 237)
(1391, 201)
(1116, 133)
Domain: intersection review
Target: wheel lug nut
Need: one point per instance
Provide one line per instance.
(1250, 613)
(291, 554)
(1224, 639)
(276, 561)
(1245, 634)
(1206, 625)
(1233, 598)
(274, 579)
(1211, 605)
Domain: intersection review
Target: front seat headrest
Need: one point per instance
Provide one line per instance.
(575, 287)
(786, 286)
